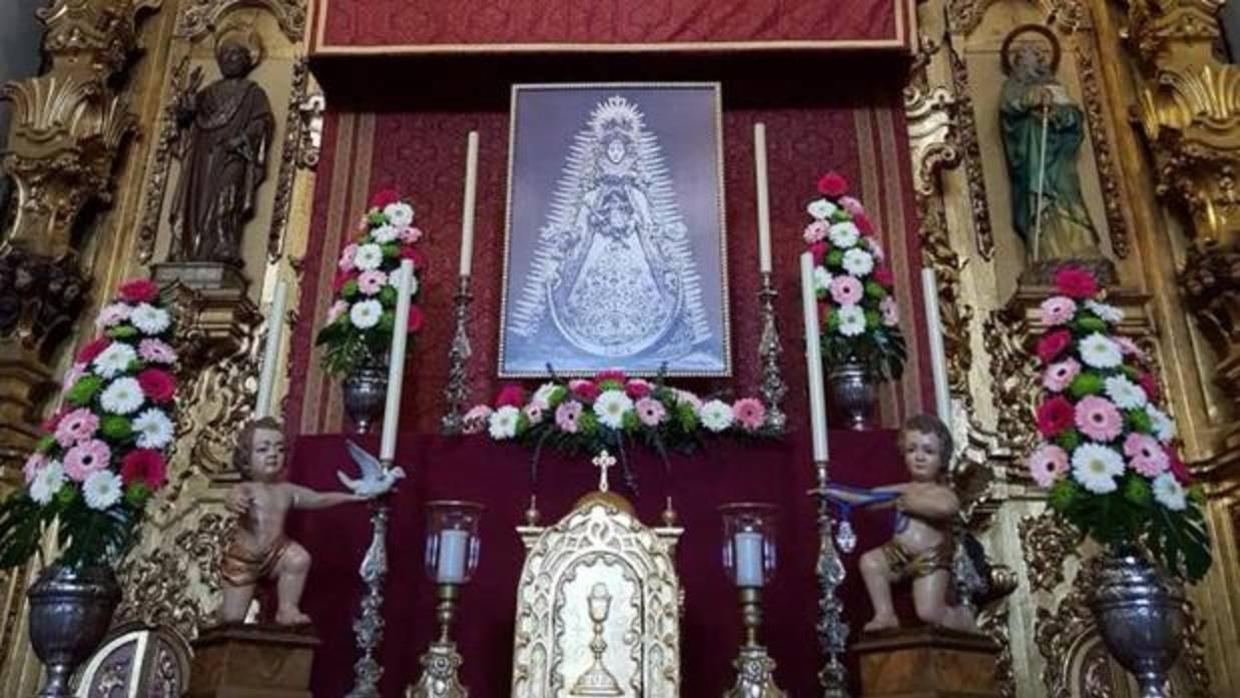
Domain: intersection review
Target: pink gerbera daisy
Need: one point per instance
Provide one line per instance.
(1057, 310)
(1047, 464)
(566, 416)
(1098, 418)
(346, 257)
(78, 425)
(410, 235)
(156, 351)
(475, 420)
(32, 466)
(846, 290)
(750, 413)
(1146, 455)
(650, 411)
(1059, 375)
(371, 282)
(86, 458)
(816, 231)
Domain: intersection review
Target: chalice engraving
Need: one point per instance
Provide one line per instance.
(598, 681)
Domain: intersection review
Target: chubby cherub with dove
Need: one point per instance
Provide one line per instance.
(257, 547)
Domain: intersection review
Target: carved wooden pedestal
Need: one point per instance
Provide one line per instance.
(252, 661)
(927, 662)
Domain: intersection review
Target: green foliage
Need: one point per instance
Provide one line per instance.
(83, 390)
(881, 350)
(116, 427)
(1085, 383)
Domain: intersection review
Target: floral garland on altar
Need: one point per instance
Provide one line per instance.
(103, 454)
(860, 319)
(358, 327)
(1107, 455)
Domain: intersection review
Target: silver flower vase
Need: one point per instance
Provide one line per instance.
(1140, 615)
(70, 611)
(852, 393)
(365, 392)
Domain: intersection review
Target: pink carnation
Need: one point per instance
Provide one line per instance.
(1059, 375)
(138, 291)
(846, 290)
(876, 249)
(650, 411)
(78, 425)
(72, 375)
(409, 235)
(33, 465)
(815, 232)
(371, 282)
(475, 420)
(1051, 344)
(156, 351)
(1098, 418)
(750, 413)
(1146, 455)
(511, 395)
(346, 257)
(566, 416)
(850, 204)
(1129, 347)
(638, 388)
(819, 250)
(86, 458)
(833, 184)
(1075, 282)
(383, 197)
(584, 389)
(1047, 464)
(1057, 310)
(92, 349)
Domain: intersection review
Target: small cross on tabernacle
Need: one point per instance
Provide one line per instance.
(603, 461)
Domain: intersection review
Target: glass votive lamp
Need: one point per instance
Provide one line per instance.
(452, 541)
(749, 543)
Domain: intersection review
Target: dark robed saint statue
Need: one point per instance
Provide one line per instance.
(1042, 135)
(226, 133)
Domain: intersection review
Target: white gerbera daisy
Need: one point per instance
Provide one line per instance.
(858, 262)
(852, 320)
(542, 396)
(503, 423)
(393, 280)
(611, 406)
(1105, 311)
(369, 256)
(384, 234)
(102, 489)
(1101, 352)
(822, 279)
(716, 415)
(1096, 466)
(844, 234)
(820, 209)
(122, 396)
(149, 319)
(1164, 426)
(153, 428)
(1169, 492)
(47, 482)
(115, 359)
(399, 214)
(366, 314)
(1124, 393)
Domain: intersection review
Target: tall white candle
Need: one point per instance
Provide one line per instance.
(748, 546)
(467, 208)
(813, 360)
(396, 361)
(764, 201)
(938, 356)
(275, 332)
(453, 545)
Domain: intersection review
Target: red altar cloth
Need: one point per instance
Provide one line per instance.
(498, 476)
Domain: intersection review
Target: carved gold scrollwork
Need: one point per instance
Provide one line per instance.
(1015, 372)
(1047, 542)
(966, 125)
(302, 134)
(161, 160)
(199, 16)
(1112, 194)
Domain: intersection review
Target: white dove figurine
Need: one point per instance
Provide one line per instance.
(375, 479)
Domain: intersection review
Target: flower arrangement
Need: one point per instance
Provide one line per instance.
(103, 453)
(602, 412)
(1107, 453)
(859, 317)
(358, 327)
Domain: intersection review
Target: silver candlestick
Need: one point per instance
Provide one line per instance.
(831, 627)
(368, 628)
(455, 393)
(773, 387)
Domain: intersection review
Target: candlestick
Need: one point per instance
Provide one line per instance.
(764, 203)
(467, 208)
(275, 331)
(813, 359)
(938, 356)
(455, 393)
(749, 556)
(773, 388)
(396, 361)
(832, 628)
(368, 627)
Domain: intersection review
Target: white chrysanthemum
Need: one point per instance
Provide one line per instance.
(611, 406)
(542, 396)
(844, 234)
(149, 319)
(716, 415)
(1124, 393)
(47, 482)
(820, 209)
(852, 320)
(399, 214)
(1101, 352)
(369, 256)
(858, 262)
(1169, 492)
(822, 279)
(115, 359)
(393, 280)
(384, 234)
(102, 489)
(366, 314)
(122, 396)
(1096, 466)
(503, 423)
(153, 428)
(1105, 311)
(1164, 426)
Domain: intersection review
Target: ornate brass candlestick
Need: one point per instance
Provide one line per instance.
(832, 629)
(749, 558)
(441, 662)
(455, 395)
(755, 670)
(773, 387)
(368, 628)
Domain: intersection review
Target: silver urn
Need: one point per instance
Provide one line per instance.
(1140, 615)
(852, 393)
(365, 392)
(70, 611)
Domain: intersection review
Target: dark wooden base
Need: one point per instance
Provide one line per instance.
(252, 661)
(927, 662)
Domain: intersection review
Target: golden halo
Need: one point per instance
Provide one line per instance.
(241, 32)
(1005, 53)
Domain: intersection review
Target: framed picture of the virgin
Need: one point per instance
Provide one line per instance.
(614, 253)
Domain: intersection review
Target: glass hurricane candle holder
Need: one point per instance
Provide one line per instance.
(749, 543)
(452, 541)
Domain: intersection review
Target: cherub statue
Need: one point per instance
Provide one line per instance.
(257, 547)
(923, 547)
